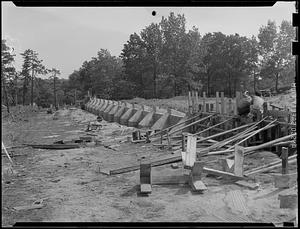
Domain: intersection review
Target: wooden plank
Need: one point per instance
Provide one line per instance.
(238, 160)
(252, 186)
(191, 150)
(213, 127)
(145, 175)
(157, 162)
(221, 173)
(225, 132)
(191, 124)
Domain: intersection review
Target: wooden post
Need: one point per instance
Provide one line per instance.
(190, 150)
(183, 135)
(197, 102)
(204, 104)
(217, 102)
(238, 160)
(193, 102)
(145, 176)
(222, 103)
(284, 158)
(230, 110)
(189, 103)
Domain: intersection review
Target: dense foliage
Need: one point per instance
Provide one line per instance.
(161, 61)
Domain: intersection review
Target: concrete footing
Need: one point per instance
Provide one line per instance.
(134, 115)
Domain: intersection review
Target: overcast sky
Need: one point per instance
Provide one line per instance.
(65, 37)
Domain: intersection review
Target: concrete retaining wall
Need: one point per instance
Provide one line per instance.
(134, 115)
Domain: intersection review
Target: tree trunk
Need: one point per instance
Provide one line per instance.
(208, 84)
(54, 88)
(24, 91)
(254, 82)
(5, 95)
(276, 82)
(32, 87)
(154, 82)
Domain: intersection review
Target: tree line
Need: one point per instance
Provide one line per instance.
(163, 60)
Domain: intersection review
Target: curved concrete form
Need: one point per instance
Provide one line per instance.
(134, 115)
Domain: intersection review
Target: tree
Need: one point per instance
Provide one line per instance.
(173, 52)
(152, 40)
(276, 49)
(33, 64)
(7, 69)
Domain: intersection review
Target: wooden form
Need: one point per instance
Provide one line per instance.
(145, 176)
(195, 177)
(189, 157)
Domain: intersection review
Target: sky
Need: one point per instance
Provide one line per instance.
(65, 37)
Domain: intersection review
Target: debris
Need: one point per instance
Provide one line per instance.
(174, 166)
(55, 146)
(36, 205)
(246, 184)
(55, 180)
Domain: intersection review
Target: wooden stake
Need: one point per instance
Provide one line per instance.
(284, 158)
(238, 160)
(217, 102)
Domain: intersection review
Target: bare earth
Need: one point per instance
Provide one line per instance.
(72, 189)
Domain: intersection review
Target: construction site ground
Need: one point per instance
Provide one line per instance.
(71, 187)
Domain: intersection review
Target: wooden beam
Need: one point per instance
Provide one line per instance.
(145, 176)
(221, 173)
(191, 124)
(212, 127)
(225, 132)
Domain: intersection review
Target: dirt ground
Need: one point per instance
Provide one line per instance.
(71, 188)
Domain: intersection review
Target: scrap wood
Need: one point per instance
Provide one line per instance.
(222, 173)
(55, 146)
(225, 132)
(191, 124)
(268, 168)
(202, 131)
(251, 149)
(254, 133)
